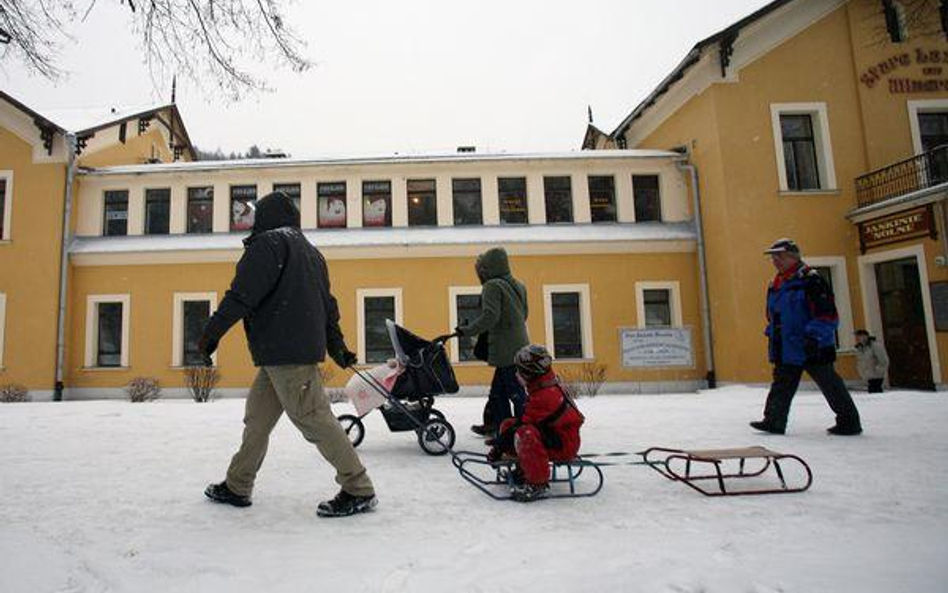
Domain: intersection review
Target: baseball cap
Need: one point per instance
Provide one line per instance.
(783, 246)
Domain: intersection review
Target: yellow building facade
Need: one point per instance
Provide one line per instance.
(824, 121)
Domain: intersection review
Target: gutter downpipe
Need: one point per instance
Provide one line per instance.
(686, 165)
(64, 266)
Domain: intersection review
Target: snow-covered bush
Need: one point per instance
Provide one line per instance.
(12, 393)
(143, 389)
(201, 382)
(585, 381)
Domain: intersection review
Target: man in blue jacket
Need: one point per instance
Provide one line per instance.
(801, 327)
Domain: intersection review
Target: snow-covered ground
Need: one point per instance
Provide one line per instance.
(107, 496)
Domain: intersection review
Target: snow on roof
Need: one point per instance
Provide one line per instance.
(400, 237)
(89, 118)
(269, 163)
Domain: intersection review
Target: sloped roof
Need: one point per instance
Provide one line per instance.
(88, 120)
(692, 58)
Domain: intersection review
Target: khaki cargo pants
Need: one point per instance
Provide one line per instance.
(297, 390)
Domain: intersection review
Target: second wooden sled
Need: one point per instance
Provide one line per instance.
(726, 467)
(496, 479)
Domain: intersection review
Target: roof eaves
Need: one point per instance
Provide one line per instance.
(692, 58)
(37, 117)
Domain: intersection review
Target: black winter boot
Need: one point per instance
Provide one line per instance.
(844, 430)
(345, 504)
(221, 493)
(764, 426)
(529, 492)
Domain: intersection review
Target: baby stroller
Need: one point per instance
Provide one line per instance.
(409, 403)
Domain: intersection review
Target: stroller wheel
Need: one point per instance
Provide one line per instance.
(436, 413)
(354, 428)
(436, 437)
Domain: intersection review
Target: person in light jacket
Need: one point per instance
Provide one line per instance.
(872, 362)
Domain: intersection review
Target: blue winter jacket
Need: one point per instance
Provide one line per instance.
(801, 319)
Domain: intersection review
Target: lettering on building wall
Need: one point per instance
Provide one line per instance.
(931, 61)
(911, 224)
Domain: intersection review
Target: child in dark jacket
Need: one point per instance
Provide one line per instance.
(547, 430)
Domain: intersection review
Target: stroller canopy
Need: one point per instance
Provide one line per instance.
(427, 369)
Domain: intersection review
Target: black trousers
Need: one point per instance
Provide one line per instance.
(504, 390)
(875, 385)
(786, 382)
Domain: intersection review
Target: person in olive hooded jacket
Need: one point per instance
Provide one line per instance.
(504, 318)
(281, 292)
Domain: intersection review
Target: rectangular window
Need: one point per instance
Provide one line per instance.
(157, 211)
(376, 203)
(243, 199)
(116, 213)
(468, 307)
(200, 209)
(512, 193)
(799, 151)
(292, 191)
(657, 304)
(602, 198)
(194, 316)
(3, 209)
(332, 205)
(466, 196)
(109, 335)
(567, 325)
(422, 202)
(107, 330)
(559, 199)
(378, 345)
(648, 199)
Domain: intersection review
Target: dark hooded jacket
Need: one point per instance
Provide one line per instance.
(503, 308)
(281, 291)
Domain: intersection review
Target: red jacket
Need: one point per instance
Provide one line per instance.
(545, 399)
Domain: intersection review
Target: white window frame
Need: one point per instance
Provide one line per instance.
(3, 324)
(837, 266)
(926, 106)
(361, 295)
(674, 300)
(92, 327)
(177, 328)
(7, 175)
(454, 292)
(585, 312)
(824, 145)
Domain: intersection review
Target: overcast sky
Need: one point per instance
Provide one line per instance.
(412, 75)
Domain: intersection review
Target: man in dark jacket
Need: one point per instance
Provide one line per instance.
(504, 318)
(281, 291)
(802, 322)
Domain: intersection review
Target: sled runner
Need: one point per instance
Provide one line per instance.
(696, 468)
(498, 478)
(406, 395)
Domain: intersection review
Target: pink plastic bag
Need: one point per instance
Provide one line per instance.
(366, 397)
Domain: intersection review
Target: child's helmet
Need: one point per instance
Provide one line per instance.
(533, 360)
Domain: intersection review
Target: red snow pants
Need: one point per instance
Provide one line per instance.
(533, 458)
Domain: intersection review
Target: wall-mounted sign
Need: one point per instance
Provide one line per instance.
(910, 224)
(933, 64)
(656, 347)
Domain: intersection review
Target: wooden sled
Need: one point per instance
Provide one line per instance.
(696, 468)
(496, 479)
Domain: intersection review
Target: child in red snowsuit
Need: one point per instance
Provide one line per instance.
(547, 430)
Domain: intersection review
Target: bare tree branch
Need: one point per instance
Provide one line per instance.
(215, 44)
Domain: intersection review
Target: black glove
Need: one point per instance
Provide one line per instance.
(458, 332)
(344, 357)
(207, 346)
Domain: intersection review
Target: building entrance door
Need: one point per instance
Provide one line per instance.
(903, 324)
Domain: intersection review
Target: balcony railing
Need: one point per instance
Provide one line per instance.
(923, 171)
